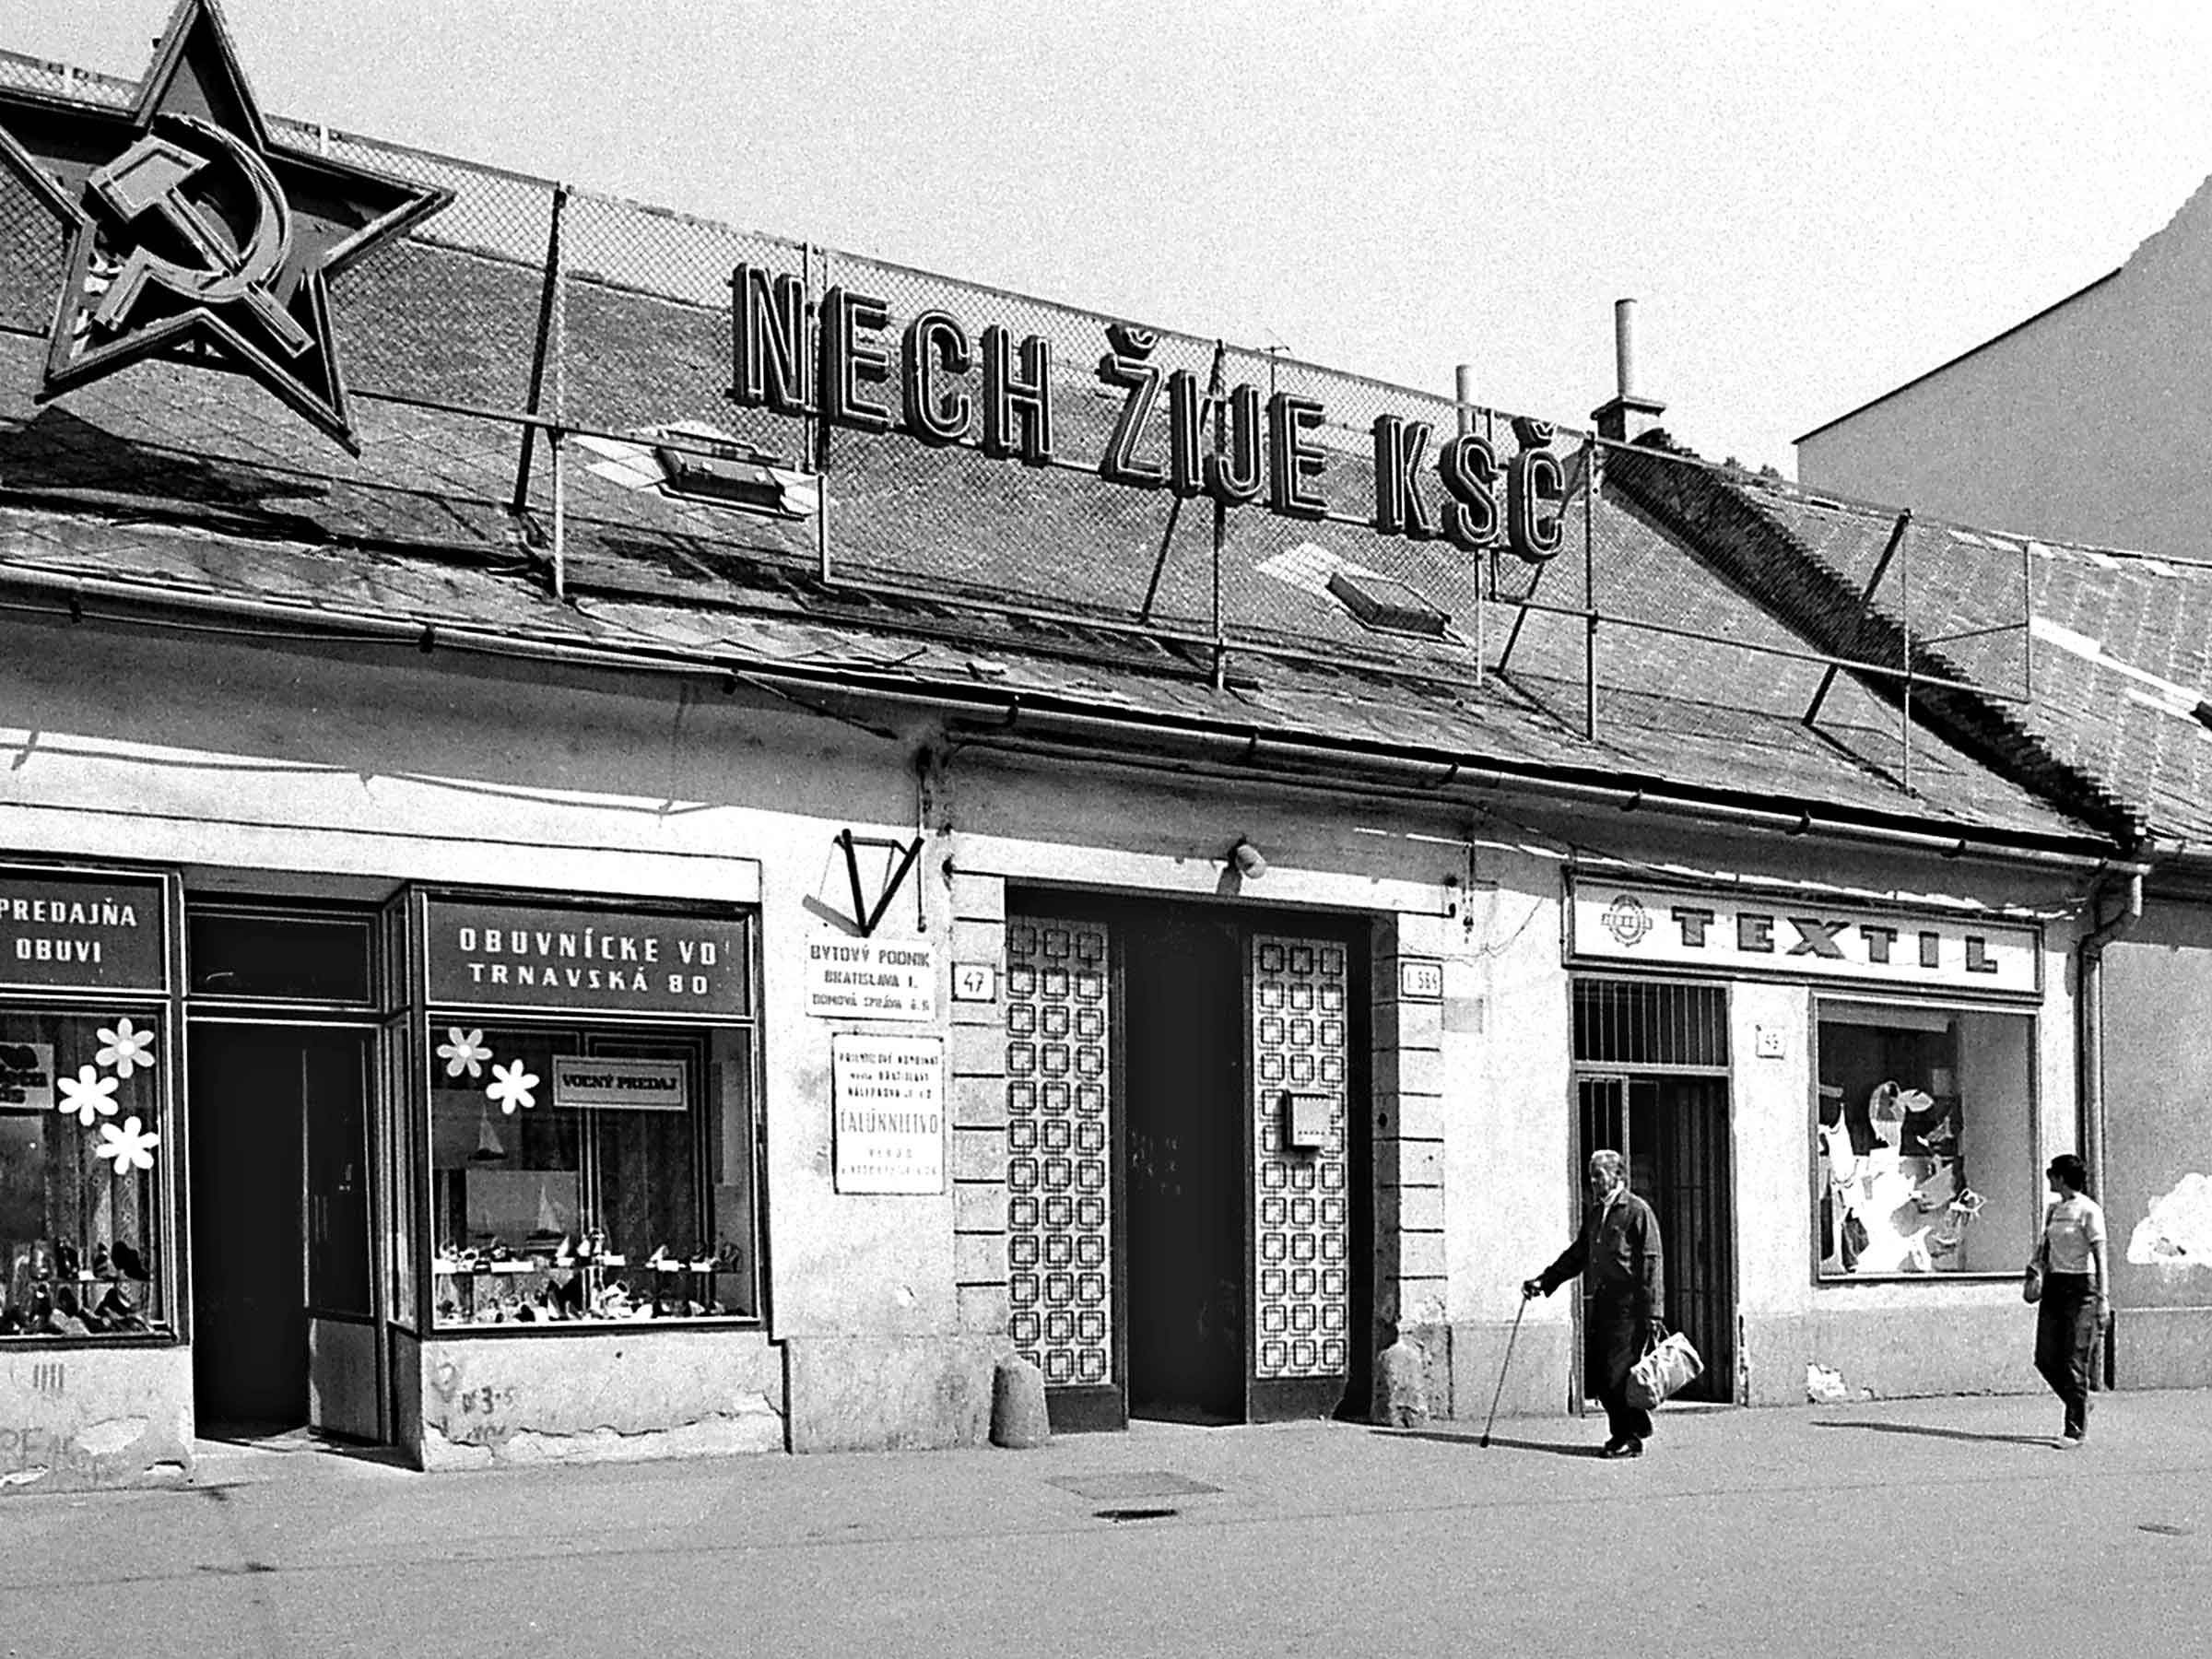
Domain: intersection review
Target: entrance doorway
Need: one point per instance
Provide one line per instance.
(1662, 1101)
(1187, 1161)
(1184, 1069)
(282, 1332)
(1674, 1132)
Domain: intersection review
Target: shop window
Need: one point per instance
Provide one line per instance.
(79, 1146)
(1923, 1140)
(584, 1176)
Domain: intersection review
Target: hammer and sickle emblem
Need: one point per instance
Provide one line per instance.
(150, 177)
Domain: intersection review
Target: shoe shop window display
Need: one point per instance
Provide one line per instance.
(1921, 1121)
(79, 1100)
(583, 1177)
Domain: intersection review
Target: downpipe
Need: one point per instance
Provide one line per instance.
(2088, 1012)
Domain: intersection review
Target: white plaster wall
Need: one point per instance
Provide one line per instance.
(1509, 1097)
(1771, 1117)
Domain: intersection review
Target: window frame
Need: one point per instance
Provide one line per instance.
(1947, 1008)
(164, 998)
(425, 1018)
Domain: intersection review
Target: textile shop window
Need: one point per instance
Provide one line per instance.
(583, 1176)
(1922, 1142)
(80, 1107)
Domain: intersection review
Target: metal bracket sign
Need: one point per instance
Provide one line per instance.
(865, 916)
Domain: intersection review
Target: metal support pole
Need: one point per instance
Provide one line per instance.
(1896, 540)
(1590, 588)
(545, 334)
(812, 371)
(1904, 588)
(560, 433)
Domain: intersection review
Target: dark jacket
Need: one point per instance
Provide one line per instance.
(1620, 1252)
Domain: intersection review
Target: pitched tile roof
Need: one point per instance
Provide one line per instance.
(2118, 658)
(956, 574)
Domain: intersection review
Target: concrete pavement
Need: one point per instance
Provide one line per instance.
(1944, 1527)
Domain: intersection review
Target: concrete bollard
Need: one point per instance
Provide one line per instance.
(1019, 1421)
(1401, 1388)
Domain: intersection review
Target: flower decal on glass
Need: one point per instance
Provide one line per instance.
(87, 1094)
(132, 1146)
(512, 1086)
(463, 1051)
(126, 1048)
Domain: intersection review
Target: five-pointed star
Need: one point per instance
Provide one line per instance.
(188, 229)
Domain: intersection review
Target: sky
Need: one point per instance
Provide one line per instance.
(1811, 203)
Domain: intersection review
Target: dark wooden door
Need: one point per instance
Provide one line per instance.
(1183, 996)
(1691, 1186)
(248, 1255)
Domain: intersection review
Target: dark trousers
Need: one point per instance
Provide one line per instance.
(1616, 1338)
(2065, 1338)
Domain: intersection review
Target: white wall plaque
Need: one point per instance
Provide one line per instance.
(871, 978)
(888, 1101)
(974, 982)
(1420, 980)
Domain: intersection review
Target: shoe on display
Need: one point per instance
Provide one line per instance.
(129, 1263)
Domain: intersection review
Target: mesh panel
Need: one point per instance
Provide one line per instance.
(635, 338)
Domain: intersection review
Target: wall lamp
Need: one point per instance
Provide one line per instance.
(1247, 859)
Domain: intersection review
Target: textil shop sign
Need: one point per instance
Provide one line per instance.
(590, 961)
(939, 381)
(1800, 937)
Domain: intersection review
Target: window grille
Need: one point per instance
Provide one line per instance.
(1651, 1024)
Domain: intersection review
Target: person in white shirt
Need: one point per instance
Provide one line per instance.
(2078, 1285)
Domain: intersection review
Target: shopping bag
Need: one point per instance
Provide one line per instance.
(1668, 1367)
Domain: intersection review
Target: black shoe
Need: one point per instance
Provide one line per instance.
(1623, 1448)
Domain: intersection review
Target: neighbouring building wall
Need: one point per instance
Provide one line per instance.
(2082, 424)
(2158, 1181)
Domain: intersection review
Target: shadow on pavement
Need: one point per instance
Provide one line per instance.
(1956, 1434)
(1497, 1441)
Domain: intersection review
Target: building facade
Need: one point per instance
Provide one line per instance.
(700, 916)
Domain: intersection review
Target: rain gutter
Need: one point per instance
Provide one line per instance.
(1419, 770)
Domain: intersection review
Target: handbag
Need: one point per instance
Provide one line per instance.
(2031, 1281)
(1668, 1367)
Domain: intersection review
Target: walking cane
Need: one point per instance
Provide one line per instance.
(1510, 1340)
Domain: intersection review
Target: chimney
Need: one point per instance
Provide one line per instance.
(1627, 416)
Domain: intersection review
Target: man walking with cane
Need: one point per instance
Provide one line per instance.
(1618, 1248)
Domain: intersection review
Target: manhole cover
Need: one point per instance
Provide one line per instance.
(1139, 1483)
(1135, 1514)
(2165, 1529)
